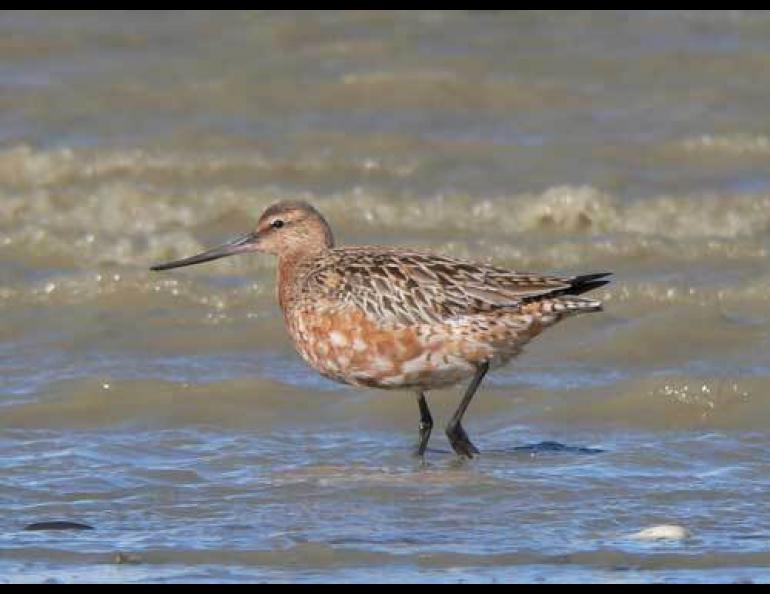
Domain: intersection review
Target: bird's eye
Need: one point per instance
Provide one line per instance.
(277, 224)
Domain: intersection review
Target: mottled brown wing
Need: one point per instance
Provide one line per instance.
(411, 287)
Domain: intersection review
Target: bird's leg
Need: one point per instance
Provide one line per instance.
(454, 430)
(426, 425)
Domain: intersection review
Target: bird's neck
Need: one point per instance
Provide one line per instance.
(291, 266)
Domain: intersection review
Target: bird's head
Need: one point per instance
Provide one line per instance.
(285, 228)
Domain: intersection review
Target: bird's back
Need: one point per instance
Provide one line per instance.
(400, 287)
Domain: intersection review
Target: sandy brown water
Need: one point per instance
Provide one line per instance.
(169, 411)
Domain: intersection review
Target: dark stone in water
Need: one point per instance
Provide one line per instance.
(58, 526)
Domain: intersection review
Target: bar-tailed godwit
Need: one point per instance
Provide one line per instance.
(399, 319)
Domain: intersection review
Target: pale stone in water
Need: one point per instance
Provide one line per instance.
(662, 532)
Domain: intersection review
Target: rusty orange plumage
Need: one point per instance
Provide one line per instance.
(399, 319)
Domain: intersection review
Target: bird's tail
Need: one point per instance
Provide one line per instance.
(570, 305)
(569, 302)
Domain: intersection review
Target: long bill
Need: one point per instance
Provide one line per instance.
(242, 243)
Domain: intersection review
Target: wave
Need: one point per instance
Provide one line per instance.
(115, 192)
(659, 401)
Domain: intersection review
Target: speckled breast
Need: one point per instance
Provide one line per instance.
(346, 346)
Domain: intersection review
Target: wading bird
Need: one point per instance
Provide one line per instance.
(398, 319)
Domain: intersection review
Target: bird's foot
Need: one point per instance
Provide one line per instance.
(460, 442)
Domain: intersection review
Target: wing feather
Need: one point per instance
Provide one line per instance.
(398, 287)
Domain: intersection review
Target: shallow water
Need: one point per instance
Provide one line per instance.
(169, 411)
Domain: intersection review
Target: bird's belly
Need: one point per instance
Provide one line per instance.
(349, 348)
(395, 361)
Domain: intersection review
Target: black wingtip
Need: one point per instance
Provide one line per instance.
(585, 278)
(588, 282)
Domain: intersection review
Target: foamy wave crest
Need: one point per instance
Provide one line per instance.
(80, 208)
(732, 144)
(23, 166)
(571, 209)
